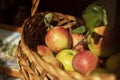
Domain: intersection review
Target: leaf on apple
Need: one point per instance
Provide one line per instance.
(79, 30)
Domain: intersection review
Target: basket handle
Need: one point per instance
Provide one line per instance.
(35, 4)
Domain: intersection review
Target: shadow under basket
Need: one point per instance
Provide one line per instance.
(32, 66)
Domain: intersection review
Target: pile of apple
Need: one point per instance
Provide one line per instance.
(75, 52)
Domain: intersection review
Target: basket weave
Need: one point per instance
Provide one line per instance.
(33, 33)
(32, 66)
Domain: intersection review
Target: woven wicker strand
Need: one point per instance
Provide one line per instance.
(32, 66)
(35, 4)
(30, 63)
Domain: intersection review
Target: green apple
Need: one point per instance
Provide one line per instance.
(65, 57)
(102, 41)
(58, 38)
(99, 71)
(113, 63)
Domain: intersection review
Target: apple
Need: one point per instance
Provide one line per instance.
(102, 41)
(76, 38)
(48, 55)
(44, 51)
(99, 70)
(113, 63)
(65, 57)
(85, 61)
(58, 38)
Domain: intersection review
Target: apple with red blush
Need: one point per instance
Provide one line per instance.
(58, 38)
(85, 62)
(76, 38)
(48, 55)
(43, 50)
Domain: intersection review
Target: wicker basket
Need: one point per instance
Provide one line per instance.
(32, 66)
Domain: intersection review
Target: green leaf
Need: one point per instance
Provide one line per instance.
(48, 18)
(93, 16)
(92, 21)
(79, 30)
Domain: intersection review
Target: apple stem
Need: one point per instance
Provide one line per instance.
(81, 41)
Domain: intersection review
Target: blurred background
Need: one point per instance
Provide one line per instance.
(14, 12)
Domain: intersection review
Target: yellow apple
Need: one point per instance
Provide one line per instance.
(102, 41)
(65, 57)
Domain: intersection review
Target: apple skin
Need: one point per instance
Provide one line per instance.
(58, 38)
(102, 42)
(85, 61)
(113, 63)
(77, 38)
(99, 70)
(65, 57)
(48, 55)
(44, 51)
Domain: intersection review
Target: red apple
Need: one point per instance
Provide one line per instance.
(85, 61)
(58, 38)
(76, 38)
(48, 55)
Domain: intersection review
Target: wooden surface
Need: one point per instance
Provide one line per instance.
(10, 27)
(9, 71)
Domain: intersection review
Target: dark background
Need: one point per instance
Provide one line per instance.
(15, 11)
